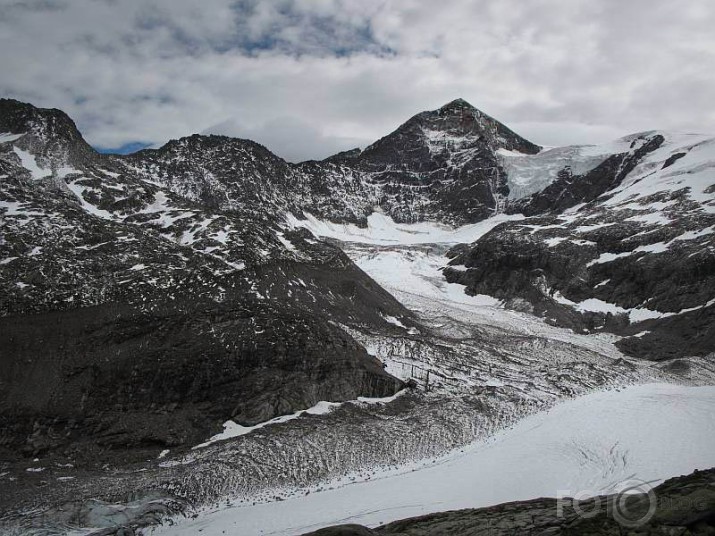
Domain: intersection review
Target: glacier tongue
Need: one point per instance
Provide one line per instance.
(586, 445)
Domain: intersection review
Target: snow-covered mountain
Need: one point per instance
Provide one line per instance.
(626, 246)
(146, 300)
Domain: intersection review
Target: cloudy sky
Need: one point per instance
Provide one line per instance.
(310, 77)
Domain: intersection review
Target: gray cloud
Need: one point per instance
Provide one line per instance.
(311, 77)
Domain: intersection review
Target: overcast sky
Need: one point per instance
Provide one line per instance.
(308, 78)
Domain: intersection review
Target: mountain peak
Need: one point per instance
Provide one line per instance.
(458, 104)
(425, 140)
(48, 132)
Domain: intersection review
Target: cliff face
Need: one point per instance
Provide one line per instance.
(443, 165)
(112, 377)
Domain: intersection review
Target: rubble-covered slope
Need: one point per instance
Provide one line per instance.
(139, 315)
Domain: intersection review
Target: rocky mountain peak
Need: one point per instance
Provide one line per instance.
(47, 134)
(460, 118)
(457, 105)
(426, 141)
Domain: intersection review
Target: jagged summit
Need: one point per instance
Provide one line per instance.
(213, 142)
(457, 103)
(428, 139)
(458, 106)
(49, 134)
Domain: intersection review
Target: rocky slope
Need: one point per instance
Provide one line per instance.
(625, 247)
(137, 315)
(187, 258)
(442, 165)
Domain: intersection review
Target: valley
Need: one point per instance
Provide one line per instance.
(206, 337)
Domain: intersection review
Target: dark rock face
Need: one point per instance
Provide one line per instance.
(443, 165)
(425, 140)
(112, 377)
(683, 506)
(665, 295)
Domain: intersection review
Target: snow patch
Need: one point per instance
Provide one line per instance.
(27, 160)
(6, 137)
(382, 229)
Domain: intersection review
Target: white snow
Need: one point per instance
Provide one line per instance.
(585, 445)
(286, 243)
(694, 171)
(692, 235)
(594, 227)
(78, 190)
(394, 321)
(27, 160)
(439, 141)
(222, 235)
(551, 242)
(110, 173)
(418, 272)
(528, 174)
(608, 257)
(382, 229)
(591, 304)
(232, 429)
(167, 215)
(594, 305)
(65, 171)
(6, 137)
(383, 400)
(658, 247)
